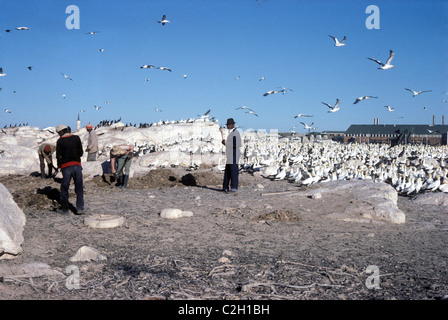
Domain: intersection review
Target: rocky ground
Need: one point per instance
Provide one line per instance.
(266, 242)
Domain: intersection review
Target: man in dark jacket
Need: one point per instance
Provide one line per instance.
(233, 154)
(68, 154)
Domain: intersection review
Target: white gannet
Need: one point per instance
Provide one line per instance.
(1, 73)
(390, 109)
(7, 111)
(66, 76)
(333, 108)
(22, 28)
(363, 98)
(270, 92)
(387, 65)
(283, 90)
(338, 43)
(244, 107)
(309, 127)
(163, 20)
(147, 66)
(416, 93)
(302, 115)
(252, 112)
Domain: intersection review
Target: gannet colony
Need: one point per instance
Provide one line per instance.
(192, 143)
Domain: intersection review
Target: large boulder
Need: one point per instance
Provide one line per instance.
(360, 201)
(12, 222)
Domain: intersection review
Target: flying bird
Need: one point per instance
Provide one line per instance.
(338, 43)
(390, 109)
(333, 108)
(97, 108)
(302, 115)
(100, 50)
(270, 92)
(261, 79)
(147, 66)
(22, 28)
(1, 73)
(64, 95)
(252, 112)
(309, 127)
(244, 107)
(82, 110)
(164, 20)
(185, 76)
(164, 68)
(92, 32)
(30, 68)
(66, 76)
(158, 110)
(284, 90)
(387, 65)
(363, 98)
(7, 111)
(416, 93)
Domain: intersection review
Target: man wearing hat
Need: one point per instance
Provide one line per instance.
(45, 152)
(68, 154)
(92, 143)
(233, 153)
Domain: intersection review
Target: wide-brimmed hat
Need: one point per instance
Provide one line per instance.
(230, 121)
(61, 127)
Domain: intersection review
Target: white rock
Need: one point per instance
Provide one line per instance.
(28, 270)
(316, 195)
(227, 253)
(103, 221)
(224, 260)
(173, 213)
(12, 222)
(86, 253)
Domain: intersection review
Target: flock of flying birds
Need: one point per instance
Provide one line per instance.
(332, 108)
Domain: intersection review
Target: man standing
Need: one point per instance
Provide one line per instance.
(92, 143)
(233, 153)
(68, 154)
(45, 152)
(120, 162)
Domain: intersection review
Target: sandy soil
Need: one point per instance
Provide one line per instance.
(262, 243)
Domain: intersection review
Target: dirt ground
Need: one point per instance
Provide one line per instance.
(262, 243)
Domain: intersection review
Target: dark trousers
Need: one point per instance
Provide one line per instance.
(68, 173)
(230, 177)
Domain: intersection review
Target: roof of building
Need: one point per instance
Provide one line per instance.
(392, 129)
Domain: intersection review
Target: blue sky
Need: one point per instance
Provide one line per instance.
(213, 42)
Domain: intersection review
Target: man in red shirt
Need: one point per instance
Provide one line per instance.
(68, 155)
